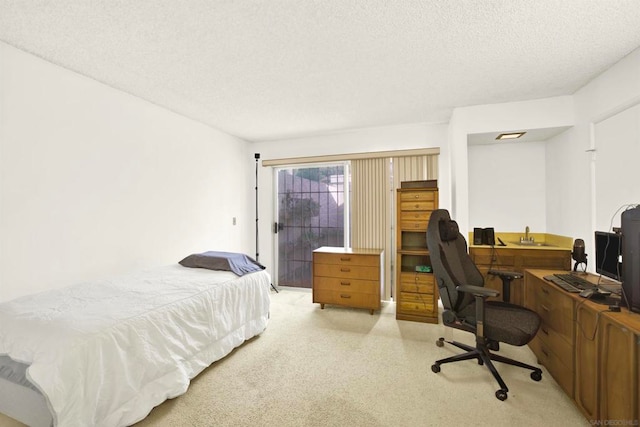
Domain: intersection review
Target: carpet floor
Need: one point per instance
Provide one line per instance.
(345, 367)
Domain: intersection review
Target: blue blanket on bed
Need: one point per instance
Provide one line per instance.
(240, 264)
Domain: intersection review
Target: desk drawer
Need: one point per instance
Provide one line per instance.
(550, 338)
(561, 372)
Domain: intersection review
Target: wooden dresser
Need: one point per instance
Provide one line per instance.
(416, 294)
(592, 353)
(348, 277)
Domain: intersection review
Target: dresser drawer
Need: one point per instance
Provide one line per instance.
(417, 205)
(412, 225)
(346, 285)
(416, 283)
(346, 272)
(415, 216)
(346, 259)
(346, 298)
(414, 303)
(418, 195)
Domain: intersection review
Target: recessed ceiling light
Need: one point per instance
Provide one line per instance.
(512, 135)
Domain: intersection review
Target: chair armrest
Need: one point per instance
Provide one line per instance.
(506, 274)
(478, 291)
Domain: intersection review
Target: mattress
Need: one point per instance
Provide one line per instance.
(105, 353)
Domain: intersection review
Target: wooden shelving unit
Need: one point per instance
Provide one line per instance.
(416, 294)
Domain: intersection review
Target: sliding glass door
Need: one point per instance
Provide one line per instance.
(312, 212)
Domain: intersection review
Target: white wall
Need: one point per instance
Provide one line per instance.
(507, 188)
(412, 136)
(604, 143)
(96, 182)
(512, 116)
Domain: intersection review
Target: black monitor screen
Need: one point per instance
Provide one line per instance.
(608, 251)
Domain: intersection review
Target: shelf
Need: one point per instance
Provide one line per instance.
(407, 250)
(409, 269)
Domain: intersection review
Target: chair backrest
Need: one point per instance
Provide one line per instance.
(451, 263)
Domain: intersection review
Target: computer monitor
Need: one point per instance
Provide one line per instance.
(608, 251)
(630, 224)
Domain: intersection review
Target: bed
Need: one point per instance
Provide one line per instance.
(105, 353)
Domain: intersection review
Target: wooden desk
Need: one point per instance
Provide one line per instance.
(593, 353)
(516, 259)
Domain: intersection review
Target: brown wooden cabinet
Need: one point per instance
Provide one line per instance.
(586, 376)
(604, 350)
(554, 344)
(348, 277)
(618, 370)
(416, 294)
(516, 259)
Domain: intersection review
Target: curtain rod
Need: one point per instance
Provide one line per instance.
(353, 156)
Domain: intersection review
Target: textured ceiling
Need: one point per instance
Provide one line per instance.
(270, 69)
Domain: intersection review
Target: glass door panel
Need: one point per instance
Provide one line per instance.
(311, 214)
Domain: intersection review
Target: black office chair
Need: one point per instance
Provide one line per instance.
(464, 298)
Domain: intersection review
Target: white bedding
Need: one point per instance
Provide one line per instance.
(105, 353)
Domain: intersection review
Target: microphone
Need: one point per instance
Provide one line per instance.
(578, 254)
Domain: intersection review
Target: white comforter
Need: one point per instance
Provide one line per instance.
(105, 353)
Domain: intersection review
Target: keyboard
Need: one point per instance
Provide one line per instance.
(576, 281)
(561, 283)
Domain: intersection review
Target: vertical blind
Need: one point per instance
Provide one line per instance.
(373, 185)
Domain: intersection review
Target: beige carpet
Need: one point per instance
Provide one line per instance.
(344, 367)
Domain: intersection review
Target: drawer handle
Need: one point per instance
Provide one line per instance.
(544, 331)
(545, 291)
(544, 352)
(345, 259)
(345, 283)
(416, 196)
(345, 296)
(345, 270)
(417, 205)
(544, 307)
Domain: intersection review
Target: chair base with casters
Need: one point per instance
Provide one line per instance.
(484, 356)
(482, 351)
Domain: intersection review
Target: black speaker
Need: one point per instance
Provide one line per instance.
(489, 237)
(477, 236)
